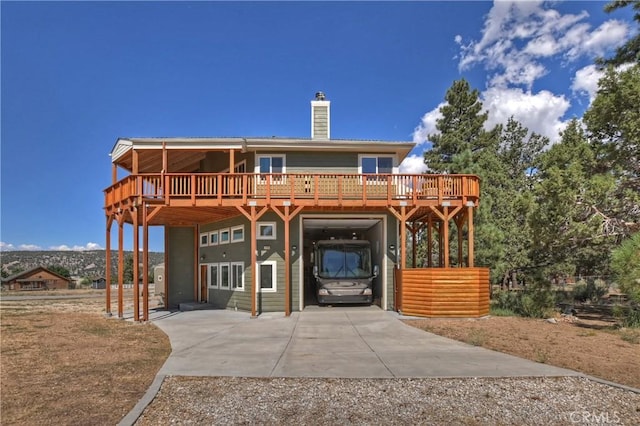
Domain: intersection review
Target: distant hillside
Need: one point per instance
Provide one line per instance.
(89, 264)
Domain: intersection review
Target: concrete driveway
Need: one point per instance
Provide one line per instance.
(349, 342)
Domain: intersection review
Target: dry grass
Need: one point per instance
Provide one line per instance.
(592, 347)
(63, 362)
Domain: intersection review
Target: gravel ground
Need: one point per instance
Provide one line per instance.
(309, 401)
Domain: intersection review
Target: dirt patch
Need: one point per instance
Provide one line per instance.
(63, 362)
(592, 346)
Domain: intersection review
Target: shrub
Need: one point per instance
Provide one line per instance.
(629, 316)
(590, 290)
(537, 301)
(625, 264)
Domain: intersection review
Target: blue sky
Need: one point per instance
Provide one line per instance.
(78, 75)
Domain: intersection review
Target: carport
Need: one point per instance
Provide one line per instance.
(363, 227)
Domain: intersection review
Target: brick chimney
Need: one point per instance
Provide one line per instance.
(320, 117)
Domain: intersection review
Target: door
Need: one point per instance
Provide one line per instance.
(203, 284)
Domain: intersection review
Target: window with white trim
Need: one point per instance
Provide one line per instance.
(225, 276)
(212, 276)
(224, 236)
(266, 231)
(204, 239)
(266, 277)
(271, 164)
(375, 164)
(237, 234)
(213, 238)
(237, 276)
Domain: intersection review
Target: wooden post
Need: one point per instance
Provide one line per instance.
(470, 254)
(136, 262)
(166, 267)
(445, 236)
(114, 173)
(430, 241)
(107, 269)
(413, 245)
(120, 265)
(402, 218)
(253, 217)
(145, 263)
(459, 226)
(232, 166)
(286, 218)
(196, 262)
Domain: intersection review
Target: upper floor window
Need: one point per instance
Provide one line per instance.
(271, 164)
(374, 164)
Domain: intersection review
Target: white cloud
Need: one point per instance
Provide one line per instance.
(540, 112)
(427, 125)
(6, 246)
(517, 35)
(413, 165)
(586, 81)
(88, 246)
(33, 247)
(29, 247)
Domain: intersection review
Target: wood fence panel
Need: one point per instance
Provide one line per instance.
(444, 292)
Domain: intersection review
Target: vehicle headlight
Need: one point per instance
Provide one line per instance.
(367, 292)
(323, 292)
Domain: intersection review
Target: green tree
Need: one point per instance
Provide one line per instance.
(567, 223)
(128, 269)
(625, 264)
(629, 51)
(60, 270)
(613, 124)
(461, 135)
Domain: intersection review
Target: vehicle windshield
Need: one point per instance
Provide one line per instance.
(344, 261)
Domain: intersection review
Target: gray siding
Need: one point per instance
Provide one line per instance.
(217, 161)
(322, 162)
(181, 265)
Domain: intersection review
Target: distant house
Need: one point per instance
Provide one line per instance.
(158, 276)
(99, 283)
(38, 278)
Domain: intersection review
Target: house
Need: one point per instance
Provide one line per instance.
(38, 278)
(241, 216)
(99, 283)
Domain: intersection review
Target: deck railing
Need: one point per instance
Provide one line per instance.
(292, 186)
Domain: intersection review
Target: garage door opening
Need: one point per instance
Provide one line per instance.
(323, 229)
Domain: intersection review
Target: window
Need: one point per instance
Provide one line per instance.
(237, 234)
(213, 238)
(224, 236)
(225, 277)
(372, 164)
(266, 231)
(204, 239)
(237, 275)
(270, 164)
(240, 167)
(213, 276)
(266, 277)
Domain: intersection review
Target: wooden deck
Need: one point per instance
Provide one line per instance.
(317, 190)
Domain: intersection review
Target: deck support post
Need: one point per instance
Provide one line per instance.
(145, 263)
(402, 217)
(120, 264)
(107, 269)
(445, 236)
(286, 217)
(470, 230)
(430, 241)
(253, 217)
(136, 263)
